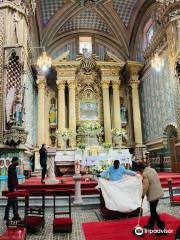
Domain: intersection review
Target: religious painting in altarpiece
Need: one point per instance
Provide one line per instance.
(88, 97)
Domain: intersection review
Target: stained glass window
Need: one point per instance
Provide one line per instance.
(85, 43)
(148, 33)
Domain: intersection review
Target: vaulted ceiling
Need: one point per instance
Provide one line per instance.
(112, 20)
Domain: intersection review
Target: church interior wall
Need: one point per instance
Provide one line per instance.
(157, 103)
(18, 38)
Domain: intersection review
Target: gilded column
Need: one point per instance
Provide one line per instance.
(116, 103)
(130, 119)
(61, 107)
(106, 107)
(134, 83)
(72, 109)
(41, 83)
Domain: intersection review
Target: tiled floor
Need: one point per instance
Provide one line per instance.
(80, 216)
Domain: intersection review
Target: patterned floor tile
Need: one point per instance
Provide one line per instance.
(80, 216)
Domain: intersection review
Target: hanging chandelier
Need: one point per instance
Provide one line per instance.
(44, 62)
(157, 62)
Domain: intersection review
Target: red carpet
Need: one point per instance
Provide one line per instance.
(165, 176)
(122, 229)
(34, 183)
(87, 187)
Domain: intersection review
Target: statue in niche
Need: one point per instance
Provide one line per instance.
(124, 113)
(53, 114)
(9, 106)
(14, 108)
(18, 111)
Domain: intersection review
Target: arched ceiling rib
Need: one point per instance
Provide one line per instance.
(86, 19)
(113, 18)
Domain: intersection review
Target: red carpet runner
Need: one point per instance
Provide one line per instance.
(122, 229)
(87, 187)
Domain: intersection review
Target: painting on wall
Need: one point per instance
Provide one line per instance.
(89, 110)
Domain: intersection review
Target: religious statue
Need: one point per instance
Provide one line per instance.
(53, 115)
(9, 105)
(123, 114)
(18, 111)
(2, 167)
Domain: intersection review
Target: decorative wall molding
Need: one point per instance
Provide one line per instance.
(1, 74)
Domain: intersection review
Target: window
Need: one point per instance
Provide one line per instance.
(148, 33)
(85, 43)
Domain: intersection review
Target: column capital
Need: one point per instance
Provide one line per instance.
(105, 84)
(41, 83)
(133, 67)
(116, 84)
(71, 84)
(61, 84)
(134, 83)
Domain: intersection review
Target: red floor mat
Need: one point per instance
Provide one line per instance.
(122, 229)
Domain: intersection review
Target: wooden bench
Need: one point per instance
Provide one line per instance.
(174, 199)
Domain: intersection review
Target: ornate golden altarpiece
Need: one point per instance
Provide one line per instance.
(87, 81)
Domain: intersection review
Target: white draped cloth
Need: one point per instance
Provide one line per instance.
(123, 195)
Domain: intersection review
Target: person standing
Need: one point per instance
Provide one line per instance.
(12, 186)
(152, 188)
(43, 161)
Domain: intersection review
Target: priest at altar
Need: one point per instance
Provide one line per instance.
(115, 172)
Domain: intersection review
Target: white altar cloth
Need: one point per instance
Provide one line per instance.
(124, 157)
(124, 195)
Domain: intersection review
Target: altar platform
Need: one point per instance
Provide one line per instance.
(87, 183)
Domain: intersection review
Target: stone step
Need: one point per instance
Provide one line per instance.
(36, 173)
(88, 201)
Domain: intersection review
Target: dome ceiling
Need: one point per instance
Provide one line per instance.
(111, 21)
(124, 8)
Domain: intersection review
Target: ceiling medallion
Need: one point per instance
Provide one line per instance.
(89, 3)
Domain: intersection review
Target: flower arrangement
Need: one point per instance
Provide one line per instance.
(66, 133)
(90, 128)
(116, 132)
(101, 166)
(81, 146)
(107, 145)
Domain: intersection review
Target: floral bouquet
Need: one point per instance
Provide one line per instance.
(116, 132)
(107, 145)
(81, 146)
(90, 128)
(101, 166)
(65, 134)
